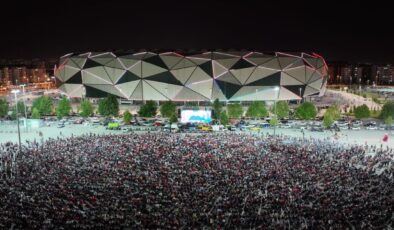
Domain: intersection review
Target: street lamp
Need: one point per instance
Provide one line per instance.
(16, 91)
(23, 93)
(276, 89)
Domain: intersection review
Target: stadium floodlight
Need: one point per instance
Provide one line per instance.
(15, 92)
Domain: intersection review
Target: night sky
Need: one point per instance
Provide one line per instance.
(355, 31)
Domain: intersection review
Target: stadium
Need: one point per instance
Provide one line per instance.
(204, 76)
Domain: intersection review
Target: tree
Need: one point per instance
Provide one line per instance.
(21, 107)
(217, 108)
(35, 114)
(43, 104)
(3, 107)
(387, 110)
(63, 108)
(234, 110)
(362, 111)
(13, 115)
(103, 107)
(127, 117)
(224, 118)
(274, 121)
(173, 118)
(257, 109)
(334, 111)
(149, 109)
(328, 120)
(86, 108)
(113, 105)
(388, 121)
(282, 109)
(167, 109)
(306, 111)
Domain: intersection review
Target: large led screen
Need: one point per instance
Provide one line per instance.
(193, 116)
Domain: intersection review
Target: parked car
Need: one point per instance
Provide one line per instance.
(372, 127)
(356, 128)
(60, 125)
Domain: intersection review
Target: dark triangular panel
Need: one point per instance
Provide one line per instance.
(296, 89)
(241, 64)
(207, 67)
(76, 79)
(165, 77)
(127, 77)
(227, 88)
(271, 80)
(156, 60)
(93, 92)
(90, 63)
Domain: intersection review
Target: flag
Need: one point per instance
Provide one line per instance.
(385, 138)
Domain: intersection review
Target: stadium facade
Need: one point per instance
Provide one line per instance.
(205, 76)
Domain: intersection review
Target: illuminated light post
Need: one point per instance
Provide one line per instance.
(276, 89)
(15, 92)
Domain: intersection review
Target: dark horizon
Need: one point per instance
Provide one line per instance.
(351, 32)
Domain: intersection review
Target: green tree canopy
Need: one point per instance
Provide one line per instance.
(362, 111)
(149, 109)
(224, 118)
(388, 121)
(306, 111)
(387, 110)
(334, 111)
(127, 117)
(234, 110)
(109, 106)
(35, 114)
(167, 109)
(63, 108)
(4, 107)
(328, 119)
(86, 108)
(217, 108)
(257, 109)
(43, 104)
(282, 109)
(274, 121)
(173, 118)
(21, 107)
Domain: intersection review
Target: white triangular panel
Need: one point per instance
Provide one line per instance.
(115, 63)
(128, 62)
(316, 84)
(198, 75)
(60, 73)
(102, 58)
(272, 64)
(183, 74)
(149, 69)
(198, 61)
(170, 60)
(71, 63)
(128, 87)
(242, 74)
(186, 94)
(109, 89)
(184, 63)
(149, 93)
(298, 73)
(286, 61)
(114, 74)
(137, 94)
(73, 90)
(286, 79)
(80, 61)
(315, 76)
(217, 93)
(310, 91)
(259, 73)
(285, 94)
(228, 62)
(136, 69)
(91, 78)
(168, 90)
(202, 87)
(218, 69)
(228, 77)
(69, 72)
(308, 73)
(255, 93)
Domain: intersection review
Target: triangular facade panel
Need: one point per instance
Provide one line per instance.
(128, 88)
(297, 73)
(285, 94)
(149, 69)
(186, 94)
(165, 77)
(127, 77)
(229, 77)
(114, 74)
(171, 60)
(289, 80)
(259, 73)
(168, 90)
(218, 69)
(271, 80)
(242, 74)
(183, 74)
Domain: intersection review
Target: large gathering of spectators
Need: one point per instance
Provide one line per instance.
(161, 180)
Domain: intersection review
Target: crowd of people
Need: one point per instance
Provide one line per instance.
(161, 180)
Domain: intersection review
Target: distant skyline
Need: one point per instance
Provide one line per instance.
(352, 31)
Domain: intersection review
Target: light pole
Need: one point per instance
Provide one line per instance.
(16, 91)
(300, 89)
(24, 103)
(276, 89)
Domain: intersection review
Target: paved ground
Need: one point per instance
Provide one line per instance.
(371, 137)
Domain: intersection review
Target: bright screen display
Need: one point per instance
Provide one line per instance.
(196, 116)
